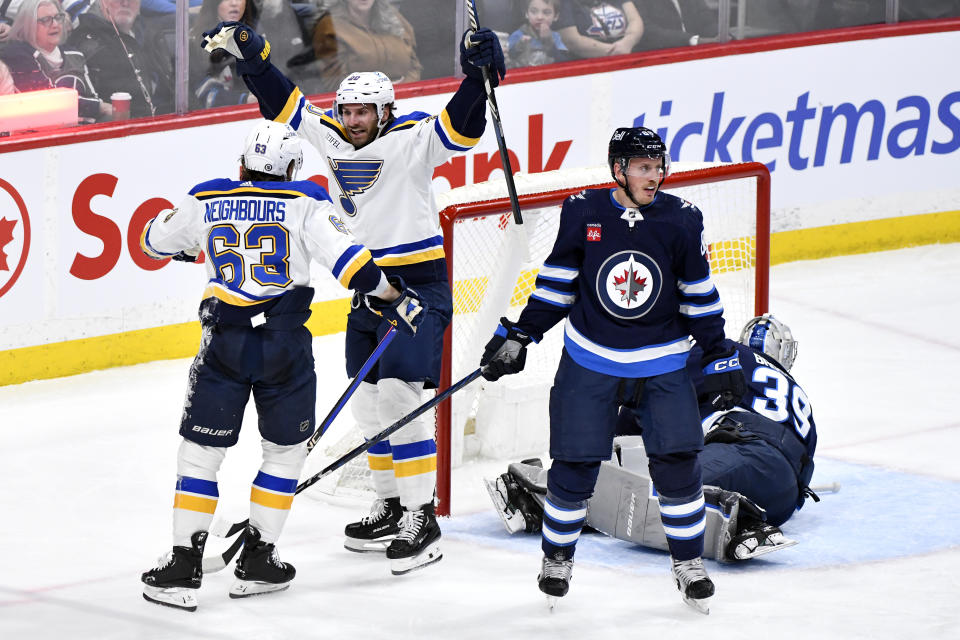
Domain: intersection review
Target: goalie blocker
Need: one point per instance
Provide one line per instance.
(624, 505)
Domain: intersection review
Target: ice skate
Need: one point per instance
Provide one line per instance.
(510, 515)
(177, 577)
(417, 545)
(758, 541)
(259, 569)
(374, 532)
(694, 584)
(554, 579)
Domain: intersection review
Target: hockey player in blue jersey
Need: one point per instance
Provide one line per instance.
(381, 168)
(259, 234)
(757, 461)
(629, 273)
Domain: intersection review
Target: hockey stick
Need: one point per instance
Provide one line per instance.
(357, 379)
(497, 127)
(833, 487)
(218, 562)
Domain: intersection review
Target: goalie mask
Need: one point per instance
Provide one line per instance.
(366, 87)
(271, 147)
(637, 142)
(771, 336)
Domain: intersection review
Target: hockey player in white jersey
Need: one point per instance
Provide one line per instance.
(381, 167)
(259, 234)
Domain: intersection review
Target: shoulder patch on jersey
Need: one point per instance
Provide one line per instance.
(170, 215)
(407, 121)
(593, 231)
(338, 225)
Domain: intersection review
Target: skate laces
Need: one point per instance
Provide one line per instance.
(557, 568)
(410, 525)
(377, 512)
(690, 571)
(164, 561)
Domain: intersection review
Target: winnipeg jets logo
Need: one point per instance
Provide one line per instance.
(354, 177)
(628, 284)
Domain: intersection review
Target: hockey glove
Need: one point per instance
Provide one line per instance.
(723, 383)
(240, 41)
(406, 313)
(479, 49)
(190, 255)
(506, 352)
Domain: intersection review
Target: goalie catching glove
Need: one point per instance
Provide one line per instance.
(506, 352)
(723, 383)
(480, 49)
(250, 48)
(406, 312)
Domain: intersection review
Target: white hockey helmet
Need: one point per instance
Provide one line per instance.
(771, 336)
(364, 87)
(271, 147)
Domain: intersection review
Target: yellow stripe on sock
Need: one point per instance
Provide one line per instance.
(272, 500)
(194, 503)
(380, 463)
(415, 467)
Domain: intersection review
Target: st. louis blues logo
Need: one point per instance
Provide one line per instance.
(354, 177)
(628, 284)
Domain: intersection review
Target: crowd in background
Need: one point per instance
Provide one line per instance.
(107, 48)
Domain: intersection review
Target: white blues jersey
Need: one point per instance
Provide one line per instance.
(259, 238)
(384, 188)
(633, 285)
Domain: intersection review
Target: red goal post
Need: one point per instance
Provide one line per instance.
(492, 264)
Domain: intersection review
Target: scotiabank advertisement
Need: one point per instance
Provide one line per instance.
(851, 131)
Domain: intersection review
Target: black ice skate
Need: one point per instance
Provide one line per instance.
(757, 541)
(259, 569)
(554, 578)
(418, 542)
(174, 582)
(374, 532)
(694, 584)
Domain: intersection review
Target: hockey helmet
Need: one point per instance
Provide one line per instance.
(637, 142)
(270, 147)
(364, 87)
(771, 336)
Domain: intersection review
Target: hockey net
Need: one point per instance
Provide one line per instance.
(493, 264)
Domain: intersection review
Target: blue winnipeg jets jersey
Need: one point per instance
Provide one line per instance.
(771, 392)
(633, 284)
(384, 188)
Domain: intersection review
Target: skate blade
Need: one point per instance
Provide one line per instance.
(367, 546)
(176, 597)
(512, 522)
(764, 549)
(247, 588)
(552, 603)
(430, 555)
(701, 605)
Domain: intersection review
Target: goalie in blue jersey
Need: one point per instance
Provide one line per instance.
(629, 274)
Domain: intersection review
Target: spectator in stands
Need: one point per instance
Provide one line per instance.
(163, 7)
(676, 23)
(35, 60)
(213, 78)
(596, 28)
(364, 35)
(536, 42)
(6, 81)
(929, 9)
(8, 11)
(119, 57)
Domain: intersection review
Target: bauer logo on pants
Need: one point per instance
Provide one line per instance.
(628, 284)
(14, 236)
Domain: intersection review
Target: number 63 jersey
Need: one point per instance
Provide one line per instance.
(259, 238)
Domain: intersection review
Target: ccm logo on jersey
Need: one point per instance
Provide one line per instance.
(593, 232)
(723, 365)
(211, 432)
